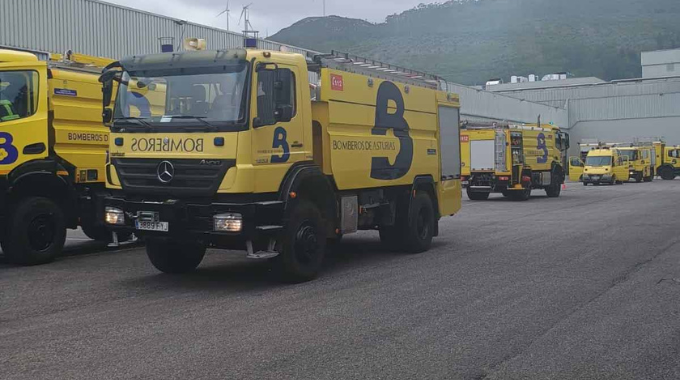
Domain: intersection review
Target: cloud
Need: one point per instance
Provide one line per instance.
(268, 16)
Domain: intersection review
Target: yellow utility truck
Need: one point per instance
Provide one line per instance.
(52, 153)
(605, 164)
(247, 152)
(640, 161)
(512, 159)
(576, 163)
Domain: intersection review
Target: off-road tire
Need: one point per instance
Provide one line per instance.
(174, 257)
(667, 174)
(554, 190)
(417, 233)
(477, 196)
(303, 244)
(521, 195)
(36, 232)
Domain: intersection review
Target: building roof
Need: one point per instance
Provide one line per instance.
(544, 84)
(660, 57)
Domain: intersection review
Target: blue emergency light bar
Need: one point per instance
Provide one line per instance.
(250, 42)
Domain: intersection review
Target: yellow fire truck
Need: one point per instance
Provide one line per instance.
(668, 161)
(512, 159)
(52, 153)
(640, 161)
(247, 153)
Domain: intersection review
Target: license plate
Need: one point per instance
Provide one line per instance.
(152, 226)
(595, 177)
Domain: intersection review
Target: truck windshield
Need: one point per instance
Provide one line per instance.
(598, 161)
(214, 100)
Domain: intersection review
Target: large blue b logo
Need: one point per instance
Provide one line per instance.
(10, 150)
(280, 142)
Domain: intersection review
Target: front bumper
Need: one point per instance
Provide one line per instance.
(486, 182)
(598, 178)
(193, 221)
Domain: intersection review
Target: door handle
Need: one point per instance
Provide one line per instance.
(36, 148)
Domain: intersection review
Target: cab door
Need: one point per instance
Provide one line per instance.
(278, 124)
(23, 113)
(575, 169)
(620, 169)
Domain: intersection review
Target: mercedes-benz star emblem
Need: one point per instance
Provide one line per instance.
(165, 171)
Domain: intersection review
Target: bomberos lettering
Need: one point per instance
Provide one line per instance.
(187, 145)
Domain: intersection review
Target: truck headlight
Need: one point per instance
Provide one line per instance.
(230, 222)
(114, 216)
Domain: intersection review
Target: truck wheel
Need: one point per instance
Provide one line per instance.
(303, 244)
(174, 257)
(521, 195)
(419, 228)
(666, 173)
(554, 190)
(477, 196)
(36, 232)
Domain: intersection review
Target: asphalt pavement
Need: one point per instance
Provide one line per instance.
(585, 286)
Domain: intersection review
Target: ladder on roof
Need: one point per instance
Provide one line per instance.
(78, 62)
(370, 67)
(500, 148)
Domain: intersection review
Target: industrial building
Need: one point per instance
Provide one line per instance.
(622, 110)
(661, 63)
(103, 29)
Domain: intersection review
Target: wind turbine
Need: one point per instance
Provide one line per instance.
(226, 10)
(245, 17)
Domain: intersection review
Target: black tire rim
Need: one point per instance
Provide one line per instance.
(422, 225)
(41, 232)
(306, 243)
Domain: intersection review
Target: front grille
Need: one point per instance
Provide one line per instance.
(191, 177)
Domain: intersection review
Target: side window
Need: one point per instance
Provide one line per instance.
(576, 162)
(18, 94)
(275, 96)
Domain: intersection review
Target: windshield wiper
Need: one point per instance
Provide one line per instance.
(209, 126)
(146, 126)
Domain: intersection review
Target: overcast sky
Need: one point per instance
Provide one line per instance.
(269, 16)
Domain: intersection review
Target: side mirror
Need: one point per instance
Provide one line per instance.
(107, 115)
(284, 113)
(106, 79)
(107, 93)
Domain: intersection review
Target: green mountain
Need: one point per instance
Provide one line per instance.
(471, 41)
